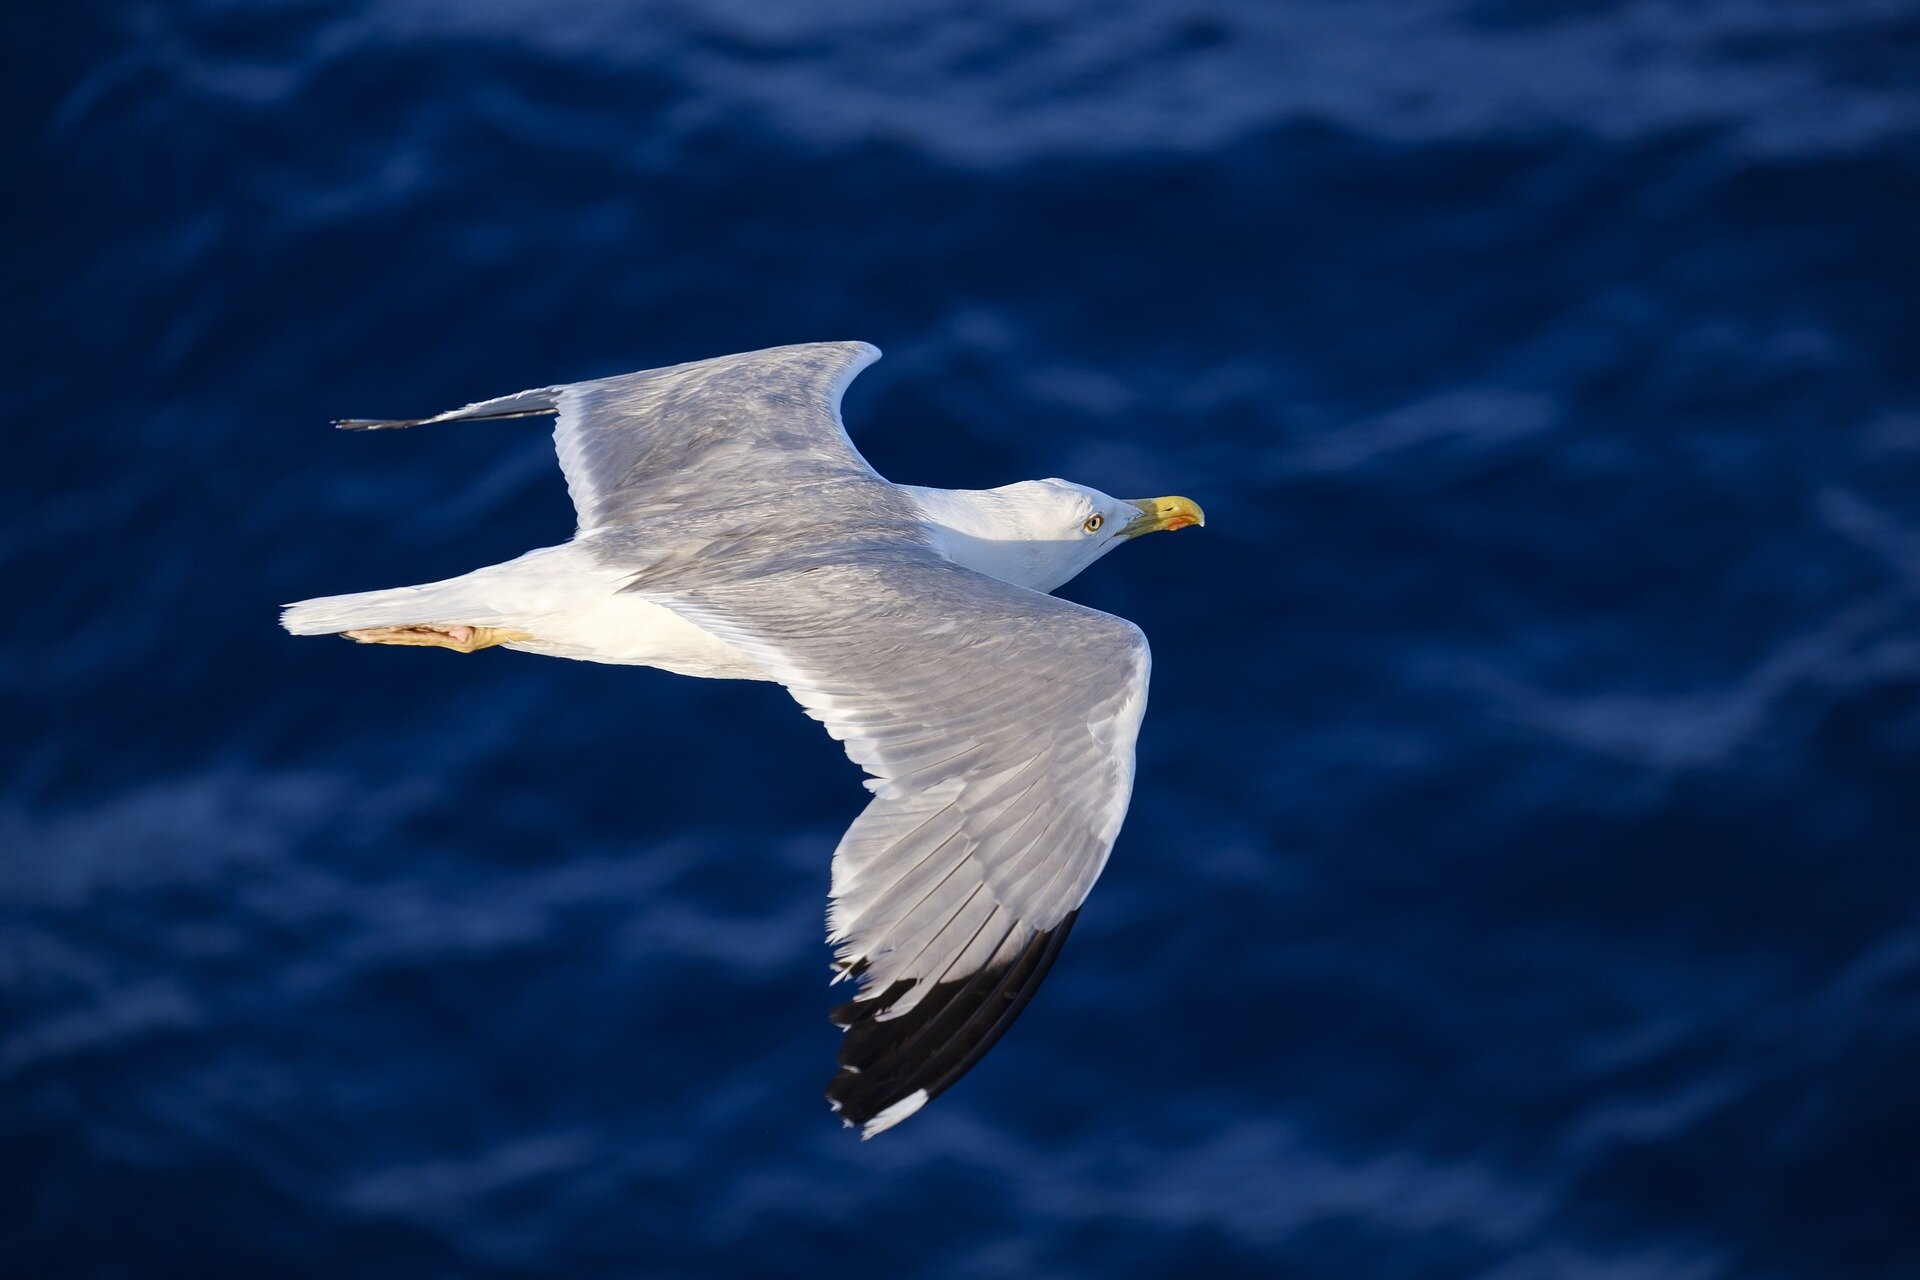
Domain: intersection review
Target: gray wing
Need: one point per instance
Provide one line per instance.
(751, 425)
(998, 724)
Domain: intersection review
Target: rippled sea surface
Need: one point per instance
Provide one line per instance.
(1523, 881)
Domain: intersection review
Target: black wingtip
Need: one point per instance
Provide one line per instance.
(891, 1067)
(376, 424)
(394, 424)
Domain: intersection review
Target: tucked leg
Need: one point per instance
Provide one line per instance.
(460, 639)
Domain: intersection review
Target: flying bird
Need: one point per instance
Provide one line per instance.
(728, 528)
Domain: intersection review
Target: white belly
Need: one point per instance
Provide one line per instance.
(634, 630)
(574, 608)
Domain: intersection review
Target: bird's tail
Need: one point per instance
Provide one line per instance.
(453, 602)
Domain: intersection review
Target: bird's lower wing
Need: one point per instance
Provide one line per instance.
(998, 724)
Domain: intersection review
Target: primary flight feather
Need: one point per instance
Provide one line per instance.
(728, 528)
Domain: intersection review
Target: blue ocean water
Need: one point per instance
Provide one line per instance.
(1521, 882)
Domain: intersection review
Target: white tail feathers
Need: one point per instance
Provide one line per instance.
(500, 595)
(438, 603)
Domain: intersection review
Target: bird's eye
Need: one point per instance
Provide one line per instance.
(1094, 522)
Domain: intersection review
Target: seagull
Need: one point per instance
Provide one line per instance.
(729, 529)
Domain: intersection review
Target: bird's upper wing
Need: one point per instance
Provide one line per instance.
(998, 724)
(749, 425)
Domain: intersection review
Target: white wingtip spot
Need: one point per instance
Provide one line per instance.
(894, 1114)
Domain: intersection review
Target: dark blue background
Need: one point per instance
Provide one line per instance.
(1522, 879)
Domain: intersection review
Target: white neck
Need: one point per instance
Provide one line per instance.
(991, 532)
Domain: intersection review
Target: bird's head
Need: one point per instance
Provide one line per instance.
(1041, 533)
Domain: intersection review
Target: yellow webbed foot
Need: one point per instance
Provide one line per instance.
(460, 639)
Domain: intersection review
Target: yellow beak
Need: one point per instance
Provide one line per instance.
(1163, 513)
